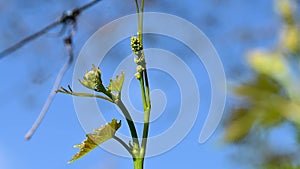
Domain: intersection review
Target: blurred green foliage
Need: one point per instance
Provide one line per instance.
(271, 98)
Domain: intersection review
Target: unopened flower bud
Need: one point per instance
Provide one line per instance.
(136, 45)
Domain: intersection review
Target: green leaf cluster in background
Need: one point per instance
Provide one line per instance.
(271, 98)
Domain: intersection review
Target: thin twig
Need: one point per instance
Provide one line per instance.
(88, 5)
(66, 16)
(28, 39)
(68, 43)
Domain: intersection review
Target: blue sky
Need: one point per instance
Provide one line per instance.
(234, 27)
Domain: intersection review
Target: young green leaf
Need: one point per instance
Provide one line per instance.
(116, 85)
(92, 80)
(98, 137)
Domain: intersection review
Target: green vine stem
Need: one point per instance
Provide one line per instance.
(145, 91)
(138, 163)
(124, 145)
(129, 120)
